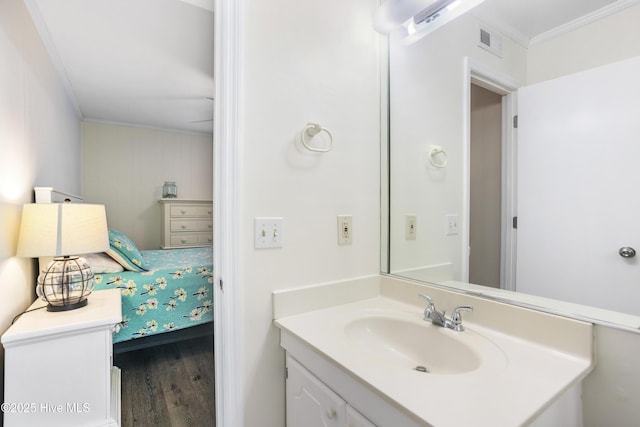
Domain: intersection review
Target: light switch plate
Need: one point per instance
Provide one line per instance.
(268, 232)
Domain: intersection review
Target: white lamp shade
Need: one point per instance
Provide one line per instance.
(61, 229)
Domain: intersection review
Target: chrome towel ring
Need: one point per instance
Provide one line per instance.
(309, 132)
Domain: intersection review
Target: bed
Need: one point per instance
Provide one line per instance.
(174, 293)
(167, 295)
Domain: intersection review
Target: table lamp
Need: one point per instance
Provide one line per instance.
(64, 231)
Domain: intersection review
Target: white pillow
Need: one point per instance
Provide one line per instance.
(99, 263)
(102, 263)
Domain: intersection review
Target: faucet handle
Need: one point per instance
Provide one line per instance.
(430, 309)
(456, 317)
(428, 298)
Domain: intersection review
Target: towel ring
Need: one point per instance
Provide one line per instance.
(434, 152)
(310, 131)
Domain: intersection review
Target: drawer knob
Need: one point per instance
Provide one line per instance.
(183, 212)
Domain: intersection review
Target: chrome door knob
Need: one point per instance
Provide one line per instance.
(627, 252)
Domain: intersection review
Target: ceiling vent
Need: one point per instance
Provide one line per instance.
(490, 40)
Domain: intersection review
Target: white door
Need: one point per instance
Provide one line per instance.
(579, 187)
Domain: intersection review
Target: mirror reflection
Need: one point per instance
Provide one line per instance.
(512, 145)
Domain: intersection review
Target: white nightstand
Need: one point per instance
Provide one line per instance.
(59, 366)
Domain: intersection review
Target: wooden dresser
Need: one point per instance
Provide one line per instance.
(186, 223)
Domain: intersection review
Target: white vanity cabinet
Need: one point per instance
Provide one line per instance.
(59, 366)
(310, 403)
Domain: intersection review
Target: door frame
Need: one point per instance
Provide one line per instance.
(228, 354)
(478, 73)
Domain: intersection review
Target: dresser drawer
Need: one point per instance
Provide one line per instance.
(178, 225)
(193, 239)
(206, 225)
(186, 211)
(184, 239)
(205, 239)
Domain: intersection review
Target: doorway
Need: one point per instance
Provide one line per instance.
(485, 185)
(489, 196)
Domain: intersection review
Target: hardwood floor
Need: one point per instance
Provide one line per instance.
(168, 385)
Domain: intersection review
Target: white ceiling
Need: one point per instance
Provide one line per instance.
(140, 62)
(150, 62)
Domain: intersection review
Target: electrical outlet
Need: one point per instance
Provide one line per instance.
(268, 232)
(345, 231)
(410, 224)
(452, 224)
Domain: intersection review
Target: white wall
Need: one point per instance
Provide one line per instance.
(303, 61)
(124, 168)
(39, 141)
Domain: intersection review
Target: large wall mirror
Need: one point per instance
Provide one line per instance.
(541, 209)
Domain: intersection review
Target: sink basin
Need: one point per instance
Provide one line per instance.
(420, 345)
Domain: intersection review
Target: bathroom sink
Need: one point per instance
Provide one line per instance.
(367, 351)
(420, 345)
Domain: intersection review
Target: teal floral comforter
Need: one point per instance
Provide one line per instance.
(176, 292)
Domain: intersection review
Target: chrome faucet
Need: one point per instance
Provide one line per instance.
(439, 318)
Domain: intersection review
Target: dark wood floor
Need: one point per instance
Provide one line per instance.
(168, 385)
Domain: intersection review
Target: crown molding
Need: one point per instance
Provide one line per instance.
(41, 27)
(584, 20)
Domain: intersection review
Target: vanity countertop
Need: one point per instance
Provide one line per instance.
(514, 385)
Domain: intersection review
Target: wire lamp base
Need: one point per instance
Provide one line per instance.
(66, 283)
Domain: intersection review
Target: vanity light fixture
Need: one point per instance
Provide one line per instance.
(392, 13)
(435, 16)
(433, 11)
